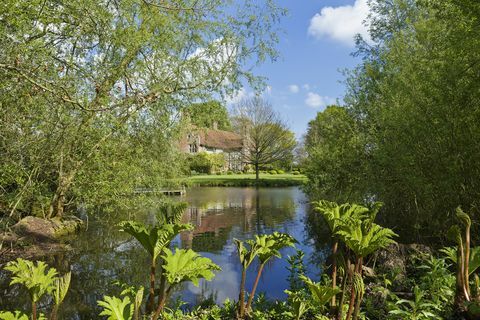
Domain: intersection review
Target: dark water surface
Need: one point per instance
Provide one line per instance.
(102, 255)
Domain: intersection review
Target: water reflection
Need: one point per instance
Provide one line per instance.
(102, 255)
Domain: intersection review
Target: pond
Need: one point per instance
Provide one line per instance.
(102, 255)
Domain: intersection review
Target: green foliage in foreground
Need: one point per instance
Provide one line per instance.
(430, 288)
(39, 282)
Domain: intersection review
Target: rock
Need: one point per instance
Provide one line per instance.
(46, 229)
(394, 259)
(33, 237)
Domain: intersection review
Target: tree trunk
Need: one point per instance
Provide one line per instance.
(257, 176)
(241, 298)
(252, 294)
(334, 270)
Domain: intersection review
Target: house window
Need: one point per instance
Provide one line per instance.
(193, 148)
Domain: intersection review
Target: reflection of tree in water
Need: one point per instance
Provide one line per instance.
(214, 214)
(102, 254)
(211, 241)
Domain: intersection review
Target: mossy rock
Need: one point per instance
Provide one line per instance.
(47, 229)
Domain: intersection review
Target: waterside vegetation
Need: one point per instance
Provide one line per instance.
(247, 180)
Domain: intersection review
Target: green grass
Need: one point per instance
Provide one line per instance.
(246, 180)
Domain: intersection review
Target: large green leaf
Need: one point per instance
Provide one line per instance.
(364, 237)
(116, 309)
(33, 276)
(61, 288)
(187, 265)
(247, 251)
(321, 294)
(332, 212)
(7, 315)
(154, 239)
(269, 245)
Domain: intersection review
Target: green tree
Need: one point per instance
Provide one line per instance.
(77, 78)
(335, 156)
(211, 114)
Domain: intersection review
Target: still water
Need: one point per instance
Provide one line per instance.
(102, 255)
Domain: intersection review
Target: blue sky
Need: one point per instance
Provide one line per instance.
(316, 45)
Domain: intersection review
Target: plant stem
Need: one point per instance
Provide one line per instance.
(352, 293)
(347, 276)
(334, 270)
(360, 294)
(34, 310)
(252, 294)
(161, 303)
(151, 296)
(53, 316)
(241, 298)
(467, 261)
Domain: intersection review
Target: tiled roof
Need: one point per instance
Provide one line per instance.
(220, 139)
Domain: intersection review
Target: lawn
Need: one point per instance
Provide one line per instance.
(240, 180)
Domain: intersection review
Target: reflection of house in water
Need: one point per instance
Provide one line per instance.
(213, 223)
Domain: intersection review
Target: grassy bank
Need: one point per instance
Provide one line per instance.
(246, 180)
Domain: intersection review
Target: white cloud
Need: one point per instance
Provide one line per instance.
(314, 100)
(293, 88)
(341, 23)
(306, 86)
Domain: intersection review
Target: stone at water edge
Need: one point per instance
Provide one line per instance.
(49, 229)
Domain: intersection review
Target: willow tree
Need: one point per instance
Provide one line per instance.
(75, 75)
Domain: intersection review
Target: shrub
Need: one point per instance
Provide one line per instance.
(280, 172)
(229, 172)
(295, 173)
(203, 162)
(218, 173)
(272, 171)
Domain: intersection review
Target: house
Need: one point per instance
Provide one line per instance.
(216, 141)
